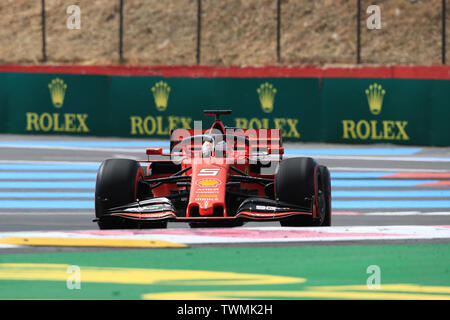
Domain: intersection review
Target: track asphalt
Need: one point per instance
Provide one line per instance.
(46, 185)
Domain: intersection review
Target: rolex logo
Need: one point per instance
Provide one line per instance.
(375, 94)
(57, 92)
(266, 93)
(161, 91)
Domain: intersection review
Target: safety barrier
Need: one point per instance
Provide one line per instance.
(404, 105)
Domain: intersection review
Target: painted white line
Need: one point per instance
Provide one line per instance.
(49, 162)
(96, 149)
(400, 213)
(255, 235)
(82, 212)
(125, 156)
(8, 246)
(392, 213)
(384, 158)
(385, 169)
(85, 212)
(139, 150)
(446, 213)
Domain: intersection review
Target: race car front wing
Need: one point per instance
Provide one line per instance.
(250, 209)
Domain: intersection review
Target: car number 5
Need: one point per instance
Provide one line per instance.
(208, 172)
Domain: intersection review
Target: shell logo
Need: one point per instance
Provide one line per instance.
(209, 182)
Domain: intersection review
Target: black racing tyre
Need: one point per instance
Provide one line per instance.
(118, 183)
(295, 182)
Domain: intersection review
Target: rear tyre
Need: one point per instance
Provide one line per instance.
(325, 195)
(118, 183)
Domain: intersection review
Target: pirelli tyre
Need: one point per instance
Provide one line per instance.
(324, 188)
(295, 183)
(118, 183)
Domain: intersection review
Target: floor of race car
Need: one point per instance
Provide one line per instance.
(391, 214)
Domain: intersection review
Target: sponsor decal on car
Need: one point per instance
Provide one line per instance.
(209, 182)
(202, 197)
(266, 208)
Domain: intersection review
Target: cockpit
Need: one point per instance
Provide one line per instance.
(219, 149)
(214, 145)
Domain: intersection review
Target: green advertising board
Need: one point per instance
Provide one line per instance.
(413, 112)
(440, 113)
(377, 111)
(46, 104)
(153, 106)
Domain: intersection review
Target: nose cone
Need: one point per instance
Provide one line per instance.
(208, 185)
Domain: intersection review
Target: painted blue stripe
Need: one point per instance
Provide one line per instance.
(356, 174)
(50, 166)
(48, 204)
(47, 175)
(56, 195)
(391, 204)
(378, 183)
(47, 184)
(390, 193)
(353, 151)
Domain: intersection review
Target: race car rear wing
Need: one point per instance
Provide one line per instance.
(260, 139)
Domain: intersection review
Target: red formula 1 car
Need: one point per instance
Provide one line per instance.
(219, 176)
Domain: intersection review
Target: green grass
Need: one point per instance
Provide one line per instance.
(421, 264)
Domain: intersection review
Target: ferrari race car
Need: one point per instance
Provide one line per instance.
(221, 176)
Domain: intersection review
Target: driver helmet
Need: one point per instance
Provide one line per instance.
(207, 149)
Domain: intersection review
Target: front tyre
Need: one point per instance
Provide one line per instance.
(119, 182)
(298, 181)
